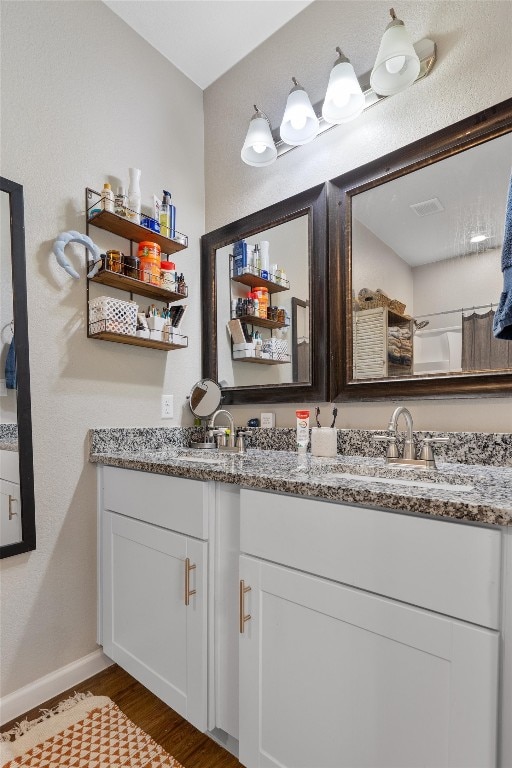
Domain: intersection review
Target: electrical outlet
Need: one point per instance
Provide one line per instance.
(3, 388)
(167, 407)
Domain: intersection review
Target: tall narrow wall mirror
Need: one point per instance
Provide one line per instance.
(416, 246)
(17, 518)
(255, 273)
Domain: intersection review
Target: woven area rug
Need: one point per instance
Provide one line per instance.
(82, 732)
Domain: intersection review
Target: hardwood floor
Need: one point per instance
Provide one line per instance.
(188, 745)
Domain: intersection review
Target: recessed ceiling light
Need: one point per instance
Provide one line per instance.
(478, 238)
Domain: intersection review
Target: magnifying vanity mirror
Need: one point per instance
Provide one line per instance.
(416, 244)
(264, 303)
(17, 518)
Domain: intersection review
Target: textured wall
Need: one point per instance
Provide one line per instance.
(472, 73)
(84, 98)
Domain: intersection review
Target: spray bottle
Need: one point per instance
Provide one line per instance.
(167, 216)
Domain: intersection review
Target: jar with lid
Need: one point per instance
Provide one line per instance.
(131, 267)
(114, 261)
(168, 275)
(272, 314)
(281, 315)
(149, 255)
(263, 300)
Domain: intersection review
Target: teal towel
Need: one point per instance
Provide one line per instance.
(10, 367)
(502, 325)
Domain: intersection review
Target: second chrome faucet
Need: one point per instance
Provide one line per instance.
(426, 457)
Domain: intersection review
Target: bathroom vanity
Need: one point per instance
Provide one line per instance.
(313, 627)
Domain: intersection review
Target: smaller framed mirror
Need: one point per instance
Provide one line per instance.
(264, 295)
(416, 242)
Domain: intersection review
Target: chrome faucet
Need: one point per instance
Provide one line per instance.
(426, 458)
(409, 452)
(221, 444)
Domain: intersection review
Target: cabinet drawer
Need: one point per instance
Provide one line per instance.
(174, 503)
(446, 567)
(10, 466)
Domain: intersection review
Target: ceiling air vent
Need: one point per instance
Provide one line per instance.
(427, 207)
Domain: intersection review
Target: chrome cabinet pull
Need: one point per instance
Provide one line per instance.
(188, 592)
(243, 616)
(12, 500)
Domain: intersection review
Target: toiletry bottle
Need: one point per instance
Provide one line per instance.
(133, 213)
(302, 431)
(107, 198)
(120, 202)
(264, 259)
(256, 259)
(239, 308)
(167, 216)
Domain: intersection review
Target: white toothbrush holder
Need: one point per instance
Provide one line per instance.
(324, 441)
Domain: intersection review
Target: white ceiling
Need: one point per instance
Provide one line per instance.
(205, 38)
(472, 188)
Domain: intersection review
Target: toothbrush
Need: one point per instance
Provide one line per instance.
(317, 414)
(334, 414)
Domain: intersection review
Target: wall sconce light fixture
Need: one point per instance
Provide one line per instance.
(259, 147)
(344, 99)
(299, 124)
(399, 64)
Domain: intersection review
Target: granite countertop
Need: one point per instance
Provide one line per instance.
(8, 443)
(469, 492)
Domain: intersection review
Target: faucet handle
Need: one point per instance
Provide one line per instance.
(390, 439)
(426, 453)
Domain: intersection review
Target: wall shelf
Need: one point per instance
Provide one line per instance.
(261, 360)
(139, 287)
(120, 226)
(253, 281)
(135, 233)
(137, 341)
(261, 322)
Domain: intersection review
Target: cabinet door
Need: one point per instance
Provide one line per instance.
(147, 627)
(10, 517)
(334, 677)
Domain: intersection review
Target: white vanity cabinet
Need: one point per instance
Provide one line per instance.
(10, 500)
(154, 567)
(337, 668)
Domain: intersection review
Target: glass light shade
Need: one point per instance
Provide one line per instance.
(299, 124)
(259, 148)
(397, 64)
(344, 99)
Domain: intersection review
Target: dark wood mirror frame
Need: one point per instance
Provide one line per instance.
(312, 203)
(483, 126)
(19, 285)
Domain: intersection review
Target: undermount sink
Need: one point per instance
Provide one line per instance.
(412, 482)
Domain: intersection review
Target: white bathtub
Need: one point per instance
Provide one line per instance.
(438, 349)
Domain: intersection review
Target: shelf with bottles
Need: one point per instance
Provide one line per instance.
(254, 280)
(111, 319)
(122, 278)
(98, 216)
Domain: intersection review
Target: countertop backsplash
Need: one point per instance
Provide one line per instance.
(493, 449)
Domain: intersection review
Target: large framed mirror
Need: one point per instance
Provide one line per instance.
(17, 513)
(256, 273)
(415, 254)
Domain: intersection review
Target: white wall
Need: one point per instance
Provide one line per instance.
(84, 98)
(472, 73)
(376, 265)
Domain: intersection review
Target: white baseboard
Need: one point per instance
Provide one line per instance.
(30, 696)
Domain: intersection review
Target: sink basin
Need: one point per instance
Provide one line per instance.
(412, 482)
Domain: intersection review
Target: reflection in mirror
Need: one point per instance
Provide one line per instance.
(17, 520)
(416, 272)
(261, 298)
(251, 343)
(426, 267)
